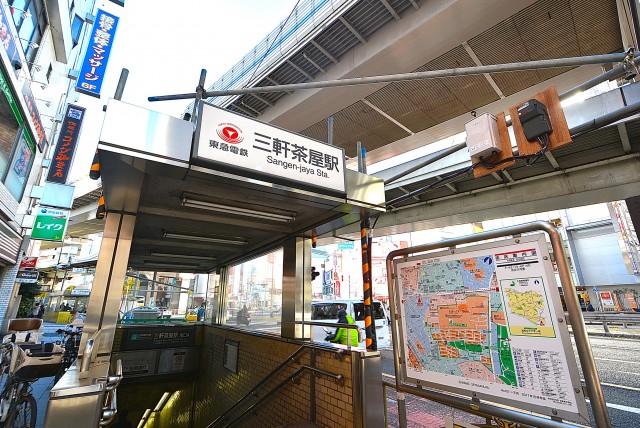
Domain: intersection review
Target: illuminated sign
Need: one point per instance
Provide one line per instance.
(66, 145)
(95, 61)
(28, 262)
(229, 141)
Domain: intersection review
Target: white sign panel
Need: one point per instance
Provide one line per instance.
(484, 320)
(228, 139)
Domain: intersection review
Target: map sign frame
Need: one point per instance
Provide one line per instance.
(486, 321)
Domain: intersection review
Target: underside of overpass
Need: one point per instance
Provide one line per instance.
(375, 38)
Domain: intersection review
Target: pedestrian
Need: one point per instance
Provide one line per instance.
(41, 310)
(201, 312)
(590, 307)
(34, 311)
(343, 335)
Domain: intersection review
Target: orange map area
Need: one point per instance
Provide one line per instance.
(409, 278)
(458, 322)
(472, 266)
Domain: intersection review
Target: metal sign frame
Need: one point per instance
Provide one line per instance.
(556, 318)
(592, 380)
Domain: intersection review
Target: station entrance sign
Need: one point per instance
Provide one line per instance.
(484, 321)
(236, 143)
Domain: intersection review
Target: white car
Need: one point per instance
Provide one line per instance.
(327, 311)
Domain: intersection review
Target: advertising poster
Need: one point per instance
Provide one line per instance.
(483, 322)
(66, 145)
(606, 298)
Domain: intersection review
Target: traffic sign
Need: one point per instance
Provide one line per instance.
(50, 224)
(595, 289)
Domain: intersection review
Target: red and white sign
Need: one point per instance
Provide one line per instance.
(29, 262)
(607, 298)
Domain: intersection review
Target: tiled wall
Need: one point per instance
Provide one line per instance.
(218, 388)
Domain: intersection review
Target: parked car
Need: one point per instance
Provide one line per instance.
(165, 313)
(143, 313)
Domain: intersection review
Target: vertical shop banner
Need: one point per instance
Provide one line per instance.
(8, 40)
(66, 145)
(50, 224)
(35, 116)
(95, 61)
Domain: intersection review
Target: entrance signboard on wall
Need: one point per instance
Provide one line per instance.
(483, 320)
(235, 143)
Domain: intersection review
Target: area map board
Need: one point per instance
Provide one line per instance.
(484, 321)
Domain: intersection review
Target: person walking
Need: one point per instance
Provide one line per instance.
(343, 335)
(41, 310)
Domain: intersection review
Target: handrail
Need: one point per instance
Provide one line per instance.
(333, 324)
(338, 378)
(266, 379)
(479, 408)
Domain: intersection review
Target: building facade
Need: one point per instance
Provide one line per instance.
(42, 41)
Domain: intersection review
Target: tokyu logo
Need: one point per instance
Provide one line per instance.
(230, 133)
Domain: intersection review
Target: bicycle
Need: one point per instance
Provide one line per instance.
(25, 364)
(70, 342)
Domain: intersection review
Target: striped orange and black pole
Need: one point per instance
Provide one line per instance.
(94, 173)
(369, 320)
(102, 209)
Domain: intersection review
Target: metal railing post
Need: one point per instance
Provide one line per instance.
(592, 380)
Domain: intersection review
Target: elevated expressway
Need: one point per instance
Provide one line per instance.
(387, 37)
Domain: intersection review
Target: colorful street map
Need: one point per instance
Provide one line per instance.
(455, 320)
(485, 322)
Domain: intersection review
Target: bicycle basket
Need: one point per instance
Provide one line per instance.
(30, 366)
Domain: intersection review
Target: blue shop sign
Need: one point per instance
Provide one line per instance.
(95, 61)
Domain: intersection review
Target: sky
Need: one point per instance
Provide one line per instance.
(165, 43)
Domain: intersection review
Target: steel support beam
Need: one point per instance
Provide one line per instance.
(299, 69)
(312, 62)
(352, 30)
(624, 138)
(391, 10)
(324, 51)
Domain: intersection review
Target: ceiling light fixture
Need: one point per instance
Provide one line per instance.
(182, 256)
(213, 239)
(203, 205)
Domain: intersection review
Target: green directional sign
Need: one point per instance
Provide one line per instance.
(50, 224)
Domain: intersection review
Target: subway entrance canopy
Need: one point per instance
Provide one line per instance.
(241, 192)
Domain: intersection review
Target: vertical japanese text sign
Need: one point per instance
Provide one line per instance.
(66, 145)
(95, 61)
(35, 115)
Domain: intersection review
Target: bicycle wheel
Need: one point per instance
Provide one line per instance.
(24, 413)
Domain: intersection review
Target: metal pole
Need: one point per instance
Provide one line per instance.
(435, 157)
(199, 94)
(395, 341)
(330, 130)
(575, 131)
(389, 78)
(124, 74)
(592, 380)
